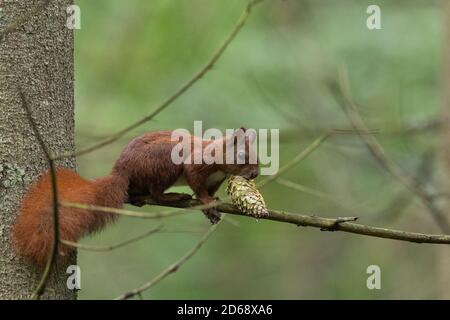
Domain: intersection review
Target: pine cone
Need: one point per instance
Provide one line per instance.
(246, 197)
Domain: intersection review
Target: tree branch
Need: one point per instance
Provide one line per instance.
(379, 154)
(324, 223)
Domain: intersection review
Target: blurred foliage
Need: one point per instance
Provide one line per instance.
(131, 55)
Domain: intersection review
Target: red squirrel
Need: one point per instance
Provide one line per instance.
(144, 167)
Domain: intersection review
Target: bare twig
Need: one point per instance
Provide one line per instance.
(209, 65)
(171, 269)
(313, 192)
(289, 117)
(393, 168)
(301, 188)
(158, 229)
(306, 152)
(143, 215)
(301, 156)
(122, 212)
(404, 197)
(113, 246)
(54, 249)
(327, 223)
(136, 214)
(412, 128)
(409, 129)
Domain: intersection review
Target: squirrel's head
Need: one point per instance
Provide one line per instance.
(240, 157)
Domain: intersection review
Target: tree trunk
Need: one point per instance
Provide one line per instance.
(443, 261)
(36, 56)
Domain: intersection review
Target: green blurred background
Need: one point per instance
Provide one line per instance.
(131, 55)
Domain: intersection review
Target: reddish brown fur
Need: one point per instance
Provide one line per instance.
(147, 162)
(32, 234)
(144, 168)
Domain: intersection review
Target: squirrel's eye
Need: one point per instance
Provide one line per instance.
(241, 155)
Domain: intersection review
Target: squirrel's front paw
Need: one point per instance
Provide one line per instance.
(213, 215)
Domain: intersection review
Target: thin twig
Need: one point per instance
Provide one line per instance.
(306, 152)
(128, 241)
(327, 223)
(122, 212)
(398, 204)
(416, 127)
(379, 154)
(301, 156)
(136, 214)
(409, 129)
(172, 268)
(289, 117)
(54, 249)
(313, 192)
(113, 246)
(143, 215)
(307, 190)
(209, 65)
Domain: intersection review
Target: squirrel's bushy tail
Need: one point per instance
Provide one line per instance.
(32, 234)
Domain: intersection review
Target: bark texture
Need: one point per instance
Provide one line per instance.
(38, 57)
